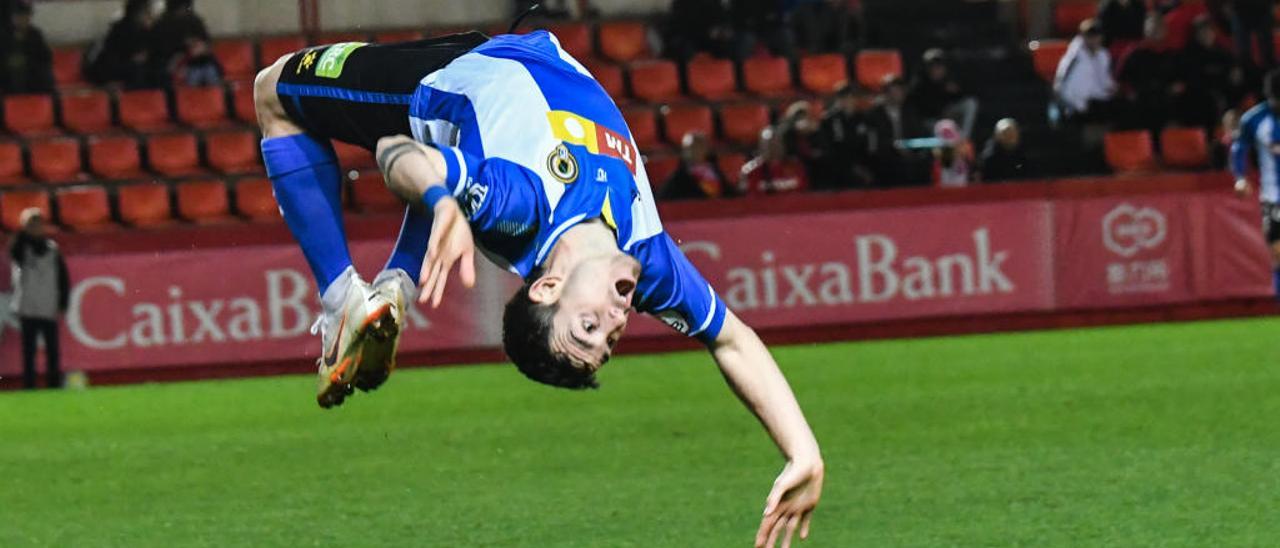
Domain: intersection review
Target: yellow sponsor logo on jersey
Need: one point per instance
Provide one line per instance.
(597, 139)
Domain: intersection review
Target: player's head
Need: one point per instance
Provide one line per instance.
(1271, 87)
(560, 329)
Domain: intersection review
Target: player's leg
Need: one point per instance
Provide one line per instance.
(1271, 231)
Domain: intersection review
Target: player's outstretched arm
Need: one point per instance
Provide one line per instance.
(752, 373)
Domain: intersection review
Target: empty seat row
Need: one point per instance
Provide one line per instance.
(95, 111)
(1131, 152)
(740, 123)
(154, 203)
(121, 156)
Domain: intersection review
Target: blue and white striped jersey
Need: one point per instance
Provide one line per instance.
(535, 146)
(1260, 133)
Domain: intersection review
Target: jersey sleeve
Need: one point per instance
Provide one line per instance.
(673, 290)
(495, 194)
(1244, 140)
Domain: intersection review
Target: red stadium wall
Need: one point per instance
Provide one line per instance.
(235, 300)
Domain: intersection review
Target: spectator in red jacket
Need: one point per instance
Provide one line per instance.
(773, 171)
(697, 177)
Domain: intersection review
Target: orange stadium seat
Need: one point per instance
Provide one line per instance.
(623, 41)
(56, 160)
(393, 36)
(1184, 147)
(609, 76)
(656, 81)
(174, 154)
(202, 107)
(270, 49)
(710, 78)
(256, 200)
(11, 171)
(822, 73)
(353, 157)
(1068, 14)
(574, 38)
(242, 103)
(115, 157)
(1045, 55)
(87, 111)
(29, 115)
(144, 110)
(644, 127)
(233, 152)
(872, 66)
(12, 204)
(83, 207)
(66, 66)
(203, 201)
(681, 119)
(145, 204)
(659, 167)
(1129, 151)
(730, 164)
(742, 122)
(370, 194)
(236, 58)
(767, 75)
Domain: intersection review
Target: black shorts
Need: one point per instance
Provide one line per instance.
(1271, 222)
(358, 93)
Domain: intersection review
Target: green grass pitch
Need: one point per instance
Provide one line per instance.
(1160, 435)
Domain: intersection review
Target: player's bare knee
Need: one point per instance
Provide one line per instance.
(271, 116)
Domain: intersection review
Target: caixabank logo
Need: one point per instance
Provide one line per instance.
(1127, 231)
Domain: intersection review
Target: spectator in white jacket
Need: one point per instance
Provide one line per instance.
(1083, 85)
(40, 293)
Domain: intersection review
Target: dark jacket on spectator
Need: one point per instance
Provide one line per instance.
(1122, 23)
(846, 141)
(1001, 164)
(696, 26)
(930, 97)
(122, 56)
(26, 62)
(1209, 71)
(178, 24)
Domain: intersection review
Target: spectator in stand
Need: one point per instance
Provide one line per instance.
(1121, 23)
(171, 37)
(773, 171)
(198, 66)
(824, 25)
(936, 94)
(1003, 158)
(1083, 86)
(1150, 73)
(697, 26)
(120, 59)
(1253, 22)
(26, 62)
(1215, 81)
(798, 131)
(844, 141)
(40, 295)
(893, 120)
(758, 26)
(953, 157)
(697, 177)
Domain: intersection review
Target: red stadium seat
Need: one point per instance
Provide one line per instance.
(609, 76)
(236, 58)
(242, 102)
(203, 201)
(370, 194)
(87, 111)
(1068, 14)
(872, 66)
(1129, 151)
(233, 152)
(145, 110)
(769, 76)
(66, 66)
(56, 160)
(1184, 147)
(256, 200)
(681, 119)
(659, 167)
(174, 154)
(742, 122)
(115, 157)
(145, 204)
(1045, 55)
(730, 164)
(624, 41)
(334, 37)
(14, 202)
(574, 38)
(644, 127)
(656, 81)
(822, 73)
(353, 157)
(11, 171)
(29, 115)
(270, 49)
(202, 107)
(710, 78)
(83, 207)
(393, 36)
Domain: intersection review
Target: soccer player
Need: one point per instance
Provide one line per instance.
(508, 143)
(1259, 133)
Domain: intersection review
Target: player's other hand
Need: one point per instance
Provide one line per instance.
(1243, 188)
(450, 242)
(790, 504)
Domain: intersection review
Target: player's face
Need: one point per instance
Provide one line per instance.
(592, 309)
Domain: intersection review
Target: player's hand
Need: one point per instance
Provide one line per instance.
(450, 242)
(790, 504)
(1243, 188)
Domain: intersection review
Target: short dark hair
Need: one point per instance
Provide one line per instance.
(526, 338)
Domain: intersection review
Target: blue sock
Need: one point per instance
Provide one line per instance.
(308, 186)
(1275, 280)
(411, 246)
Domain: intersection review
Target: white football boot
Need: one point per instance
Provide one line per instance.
(359, 330)
(393, 289)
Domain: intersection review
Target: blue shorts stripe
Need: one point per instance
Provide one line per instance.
(357, 96)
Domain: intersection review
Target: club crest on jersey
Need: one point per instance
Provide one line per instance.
(597, 139)
(562, 165)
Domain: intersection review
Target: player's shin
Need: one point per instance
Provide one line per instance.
(304, 174)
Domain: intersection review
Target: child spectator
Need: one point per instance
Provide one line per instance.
(773, 171)
(26, 62)
(953, 157)
(697, 177)
(120, 59)
(1003, 158)
(936, 94)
